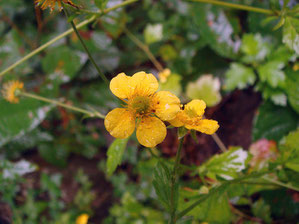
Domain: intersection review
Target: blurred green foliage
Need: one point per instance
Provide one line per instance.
(240, 49)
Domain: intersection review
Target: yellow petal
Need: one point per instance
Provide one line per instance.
(120, 123)
(121, 86)
(166, 105)
(82, 219)
(151, 131)
(179, 120)
(145, 84)
(195, 108)
(207, 126)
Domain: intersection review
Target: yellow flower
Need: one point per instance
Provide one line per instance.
(82, 219)
(192, 118)
(144, 108)
(51, 4)
(10, 90)
(164, 75)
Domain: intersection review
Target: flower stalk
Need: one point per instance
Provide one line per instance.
(236, 6)
(55, 102)
(174, 181)
(145, 48)
(84, 46)
(66, 33)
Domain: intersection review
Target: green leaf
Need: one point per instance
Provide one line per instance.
(291, 34)
(216, 29)
(18, 119)
(254, 48)
(282, 54)
(182, 131)
(206, 88)
(153, 33)
(292, 88)
(226, 165)
(290, 150)
(262, 210)
(115, 154)
(272, 73)
(62, 63)
(55, 153)
(161, 182)
(273, 122)
(173, 84)
(239, 76)
(215, 209)
(101, 4)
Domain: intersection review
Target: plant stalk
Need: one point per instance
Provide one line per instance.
(236, 6)
(66, 33)
(278, 183)
(85, 47)
(55, 102)
(217, 189)
(173, 182)
(145, 48)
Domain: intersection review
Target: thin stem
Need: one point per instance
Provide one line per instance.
(173, 183)
(55, 102)
(145, 48)
(236, 6)
(85, 47)
(191, 168)
(217, 189)
(66, 33)
(278, 183)
(219, 142)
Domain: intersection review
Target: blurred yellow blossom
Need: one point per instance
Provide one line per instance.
(191, 117)
(144, 108)
(164, 75)
(10, 90)
(82, 219)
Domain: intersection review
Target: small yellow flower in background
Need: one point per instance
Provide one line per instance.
(10, 90)
(191, 117)
(82, 219)
(164, 75)
(144, 108)
(51, 4)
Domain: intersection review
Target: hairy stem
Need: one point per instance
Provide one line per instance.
(85, 47)
(202, 198)
(55, 102)
(236, 6)
(145, 48)
(66, 33)
(278, 183)
(173, 182)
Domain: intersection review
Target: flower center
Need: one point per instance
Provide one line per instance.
(140, 104)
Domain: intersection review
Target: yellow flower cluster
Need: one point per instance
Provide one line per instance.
(51, 4)
(10, 89)
(145, 109)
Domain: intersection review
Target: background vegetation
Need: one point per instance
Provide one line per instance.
(244, 64)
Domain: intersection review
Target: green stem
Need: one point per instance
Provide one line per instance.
(85, 47)
(145, 48)
(190, 168)
(217, 189)
(66, 33)
(278, 183)
(173, 183)
(55, 102)
(236, 6)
